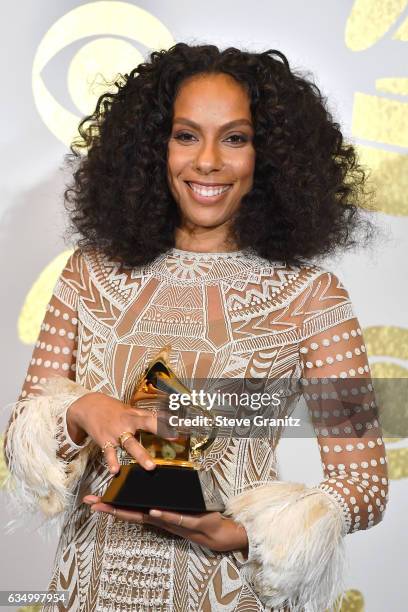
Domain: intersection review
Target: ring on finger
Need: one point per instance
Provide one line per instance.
(125, 435)
(108, 444)
(180, 520)
(114, 512)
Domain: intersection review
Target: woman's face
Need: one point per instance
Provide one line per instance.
(211, 157)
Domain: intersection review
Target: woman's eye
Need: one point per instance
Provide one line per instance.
(233, 139)
(239, 138)
(183, 136)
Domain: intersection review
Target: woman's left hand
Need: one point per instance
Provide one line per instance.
(208, 529)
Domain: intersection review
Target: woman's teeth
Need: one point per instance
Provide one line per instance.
(208, 191)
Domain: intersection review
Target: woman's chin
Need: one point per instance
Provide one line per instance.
(208, 222)
(205, 218)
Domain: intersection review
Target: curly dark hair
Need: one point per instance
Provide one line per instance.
(309, 195)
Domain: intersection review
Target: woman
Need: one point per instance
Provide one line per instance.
(211, 180)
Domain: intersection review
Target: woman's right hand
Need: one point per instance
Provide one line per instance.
(105, 418)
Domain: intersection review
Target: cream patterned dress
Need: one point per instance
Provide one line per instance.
(225, 315)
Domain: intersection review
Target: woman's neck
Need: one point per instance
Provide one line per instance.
(211, 241)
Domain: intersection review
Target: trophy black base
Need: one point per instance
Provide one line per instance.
(167, 487)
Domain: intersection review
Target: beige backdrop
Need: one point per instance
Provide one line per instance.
(54, 54)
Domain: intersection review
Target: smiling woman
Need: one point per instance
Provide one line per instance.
(302, 198)
(211, 159)
(211, 180)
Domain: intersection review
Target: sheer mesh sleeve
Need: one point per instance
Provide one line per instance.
(296, 553)
(340, 395)
(55, 351)
(43, 460)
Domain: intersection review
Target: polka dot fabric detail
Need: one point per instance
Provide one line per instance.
(340, 395)
(55, 353)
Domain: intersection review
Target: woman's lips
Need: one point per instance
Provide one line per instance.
(198, 192)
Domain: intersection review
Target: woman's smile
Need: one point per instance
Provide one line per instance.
(208, 193)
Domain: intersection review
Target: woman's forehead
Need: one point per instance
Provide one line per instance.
(214, 96)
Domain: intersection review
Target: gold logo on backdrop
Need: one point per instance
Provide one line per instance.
(370, 20)
(97, 62)
(353, 602)
(382, 119)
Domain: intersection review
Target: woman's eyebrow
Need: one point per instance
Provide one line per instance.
(230, 124)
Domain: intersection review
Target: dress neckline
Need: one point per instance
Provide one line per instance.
(206, 255)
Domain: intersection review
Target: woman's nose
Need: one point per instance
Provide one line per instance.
(208, 157)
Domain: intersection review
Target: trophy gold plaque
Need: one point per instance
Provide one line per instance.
(176, 483)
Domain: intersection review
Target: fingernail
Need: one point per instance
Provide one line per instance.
(150, 464)
(113, 470)
(155, 513)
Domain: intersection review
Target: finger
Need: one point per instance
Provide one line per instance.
(91, 499)
(188, 534)
(180, 531)
(176, 519)
(111, 459)
(124, 515)
(134, 516)
(138, 452)
(154, 422)
(144, 419)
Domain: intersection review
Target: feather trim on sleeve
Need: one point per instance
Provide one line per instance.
(296, 551)
(38, 477)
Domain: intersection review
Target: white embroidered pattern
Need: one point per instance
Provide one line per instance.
(226, 316)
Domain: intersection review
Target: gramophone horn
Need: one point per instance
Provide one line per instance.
(161, 376)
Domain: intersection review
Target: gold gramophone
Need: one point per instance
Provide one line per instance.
(177, 482)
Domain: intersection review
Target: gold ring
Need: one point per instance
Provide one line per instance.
(125, 435)
(108, 444)
(114, 512)
(180, 521)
